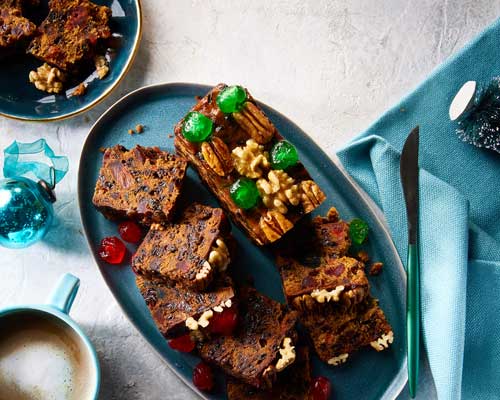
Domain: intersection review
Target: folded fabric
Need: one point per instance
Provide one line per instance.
(459, 221)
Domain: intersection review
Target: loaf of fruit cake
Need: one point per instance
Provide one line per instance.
(142, 184)
(294, 383)
(256, 175)
(262, 345)
(191, 251)
(177, 310)
(71, 34)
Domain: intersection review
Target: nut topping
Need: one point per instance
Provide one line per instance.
(251, 160)
(312, 195)
(274, 225)
(255, 123)
(217, 156)
(278, 191)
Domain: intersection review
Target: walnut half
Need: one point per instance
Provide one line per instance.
(255, 123)
(274, 225)
(278, 191)
(48, 79)
(217, 156)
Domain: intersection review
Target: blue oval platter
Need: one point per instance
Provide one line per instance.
(368, 375)
(20, 99)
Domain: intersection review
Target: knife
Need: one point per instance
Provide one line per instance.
(409, 179)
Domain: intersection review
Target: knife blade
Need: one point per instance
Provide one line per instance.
(409, 180)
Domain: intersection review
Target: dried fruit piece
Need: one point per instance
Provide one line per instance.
(197, 127)
(184, 344)
(112, 250)
(217, 156)
(244, 193)
(225, 322)
(203, 377)
(130, 231)
(321, 388)
(231, 99)
(284, 155)
(358, 231)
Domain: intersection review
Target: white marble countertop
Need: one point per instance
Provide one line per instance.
(332, 66)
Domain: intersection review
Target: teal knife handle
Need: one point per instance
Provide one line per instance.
(413, 317)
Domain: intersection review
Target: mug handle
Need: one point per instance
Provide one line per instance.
(64, 293)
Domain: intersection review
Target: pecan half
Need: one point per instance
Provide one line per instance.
(255, 123)
(217, 156)
(312, 195)
(274, 225)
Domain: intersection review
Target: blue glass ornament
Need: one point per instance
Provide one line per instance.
(26, 210)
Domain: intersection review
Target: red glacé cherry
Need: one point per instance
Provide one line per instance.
(112, 250)
(321, 388)
(225, 322)
(130, 232)
(183, 344)
(203, 378)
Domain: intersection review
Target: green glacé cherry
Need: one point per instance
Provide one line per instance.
(284, 155)
(358, 231)
(231, 99)
(197, 127)
(244, 193)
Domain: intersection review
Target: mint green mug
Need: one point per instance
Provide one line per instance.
(44, 354)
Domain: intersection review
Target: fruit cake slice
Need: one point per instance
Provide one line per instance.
(142, 184)
(177, 310)
(190, 252)
(15, 29)
(71, 34)
(294, 383)
(314, 267)
(342, 280)
(239, 154)
(262, 345)
(343, 331)
(317, 241)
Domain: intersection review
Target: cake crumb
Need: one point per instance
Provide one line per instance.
(131, 132)
(363, 256)
(80, 90)
(170, 136)
(139, 128)
(376, 268)
(101, 66)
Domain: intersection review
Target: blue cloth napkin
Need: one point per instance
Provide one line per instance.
(459, 221)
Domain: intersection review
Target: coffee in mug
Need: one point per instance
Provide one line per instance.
(42, 358)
